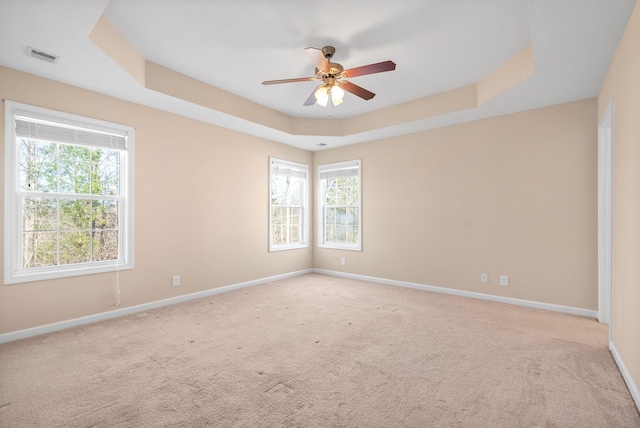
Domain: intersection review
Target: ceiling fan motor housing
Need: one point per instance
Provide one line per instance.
(334, 72)
(328, 51)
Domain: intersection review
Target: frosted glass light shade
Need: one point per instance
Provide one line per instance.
(322, 97)
(337, 93)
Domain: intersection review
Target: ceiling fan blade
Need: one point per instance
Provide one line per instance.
(357, 90)
(312, 98)
(318, 59)
(378, 67)
(299, 79)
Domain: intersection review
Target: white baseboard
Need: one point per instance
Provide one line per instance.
(528, 303)
(633, 388)
(48, 328)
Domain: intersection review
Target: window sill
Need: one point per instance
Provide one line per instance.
(43, 274)
(285, 247)
(341, 247)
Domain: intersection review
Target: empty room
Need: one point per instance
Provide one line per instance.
(245, 213)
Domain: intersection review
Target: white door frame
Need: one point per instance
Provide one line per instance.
(605, 215)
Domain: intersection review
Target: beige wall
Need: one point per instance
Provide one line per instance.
(513, 195)
(201, 209)
(622, 85)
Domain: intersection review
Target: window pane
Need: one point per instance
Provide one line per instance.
(332, 193)
(285, 225)
(111, 157)
(352, 234)
(105, 245)
(341, 232)
(293, 191)
(294, 215)
(38, 166)
(341, 215)
(286, 190)
(75, 214)
(295, 233)
(276, 221)
(342, 190)
(330, 217)
(105, 180)
(330, 233)
(276, 215)
(278, 189)
(278, 235)
(39, 249)
(353, 196)
(352, 215)
(75, 178)
(105, 214)
(39, 214)
(75, 247)
(72, 154)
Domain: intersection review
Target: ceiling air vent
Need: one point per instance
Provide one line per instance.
(36, 53)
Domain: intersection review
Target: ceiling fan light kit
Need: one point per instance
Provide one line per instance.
(323, 92)
(333, 77)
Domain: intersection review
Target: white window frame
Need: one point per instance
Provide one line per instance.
(348, 168)
(13, 224)
(285, 166)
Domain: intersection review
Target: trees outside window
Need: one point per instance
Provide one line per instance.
(70, 195)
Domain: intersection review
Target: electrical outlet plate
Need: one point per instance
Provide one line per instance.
(504, 280)
(343, 261)
(176, 280)
(484, 278)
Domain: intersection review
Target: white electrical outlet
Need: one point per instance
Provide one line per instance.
(176, 280)
(504, 280)
(343, 261)
(484, 278)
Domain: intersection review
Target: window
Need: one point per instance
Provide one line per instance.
(288, 214)
(340, 206)
(68, 195)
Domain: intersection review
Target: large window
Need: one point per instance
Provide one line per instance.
(288, 213)
(339, 205)
(68, 195)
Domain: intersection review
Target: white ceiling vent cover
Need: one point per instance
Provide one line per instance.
(36, 53)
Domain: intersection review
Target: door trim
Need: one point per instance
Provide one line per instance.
(605, 215)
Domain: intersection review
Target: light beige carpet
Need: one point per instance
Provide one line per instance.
(320, 351)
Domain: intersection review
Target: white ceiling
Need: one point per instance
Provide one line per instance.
(438, 45)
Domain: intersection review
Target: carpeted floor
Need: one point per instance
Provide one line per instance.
(320, 351)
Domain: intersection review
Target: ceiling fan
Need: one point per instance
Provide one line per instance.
(332, 75)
